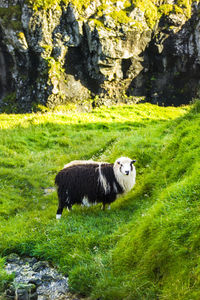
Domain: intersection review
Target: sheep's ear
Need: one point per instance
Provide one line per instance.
(133, 161)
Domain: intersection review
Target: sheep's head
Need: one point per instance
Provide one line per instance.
(124, 165)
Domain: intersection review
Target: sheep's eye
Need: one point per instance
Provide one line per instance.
(118, 163)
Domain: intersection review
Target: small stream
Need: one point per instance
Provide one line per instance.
(35, 280)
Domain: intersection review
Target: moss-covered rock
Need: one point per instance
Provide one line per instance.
(11, 17)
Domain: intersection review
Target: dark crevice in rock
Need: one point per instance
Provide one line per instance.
(172, 75)
(75, 65)
(6, 65)
(33, 67)
(3, 74)
(92, 57)
(126, 63)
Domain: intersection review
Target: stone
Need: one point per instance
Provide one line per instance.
(22, 292)
(13, 258)
(30, 260)
(39, 266)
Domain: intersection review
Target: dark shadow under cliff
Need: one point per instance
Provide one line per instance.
(171, 69)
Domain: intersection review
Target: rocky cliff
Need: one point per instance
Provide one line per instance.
(54, 52)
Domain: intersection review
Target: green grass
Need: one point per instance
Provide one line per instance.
(147, 245)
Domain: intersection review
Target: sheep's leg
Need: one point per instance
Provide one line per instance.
(69, 207)
(103, 206)
(108, 201)
(59, 212)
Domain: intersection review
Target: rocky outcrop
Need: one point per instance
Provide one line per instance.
(62, 53)
(171, 67)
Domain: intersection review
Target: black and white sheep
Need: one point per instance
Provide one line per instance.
(90, 182)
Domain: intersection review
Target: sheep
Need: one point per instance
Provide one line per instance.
(89, 182)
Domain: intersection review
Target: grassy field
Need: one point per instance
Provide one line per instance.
(147, 245)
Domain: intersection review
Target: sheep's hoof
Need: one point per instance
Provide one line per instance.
(58, 217)
(104, 207)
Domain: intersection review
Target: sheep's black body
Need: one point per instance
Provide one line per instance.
(75, 183)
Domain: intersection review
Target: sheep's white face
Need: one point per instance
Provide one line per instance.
(125, 165)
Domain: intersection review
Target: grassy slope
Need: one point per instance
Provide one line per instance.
(144, 247)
